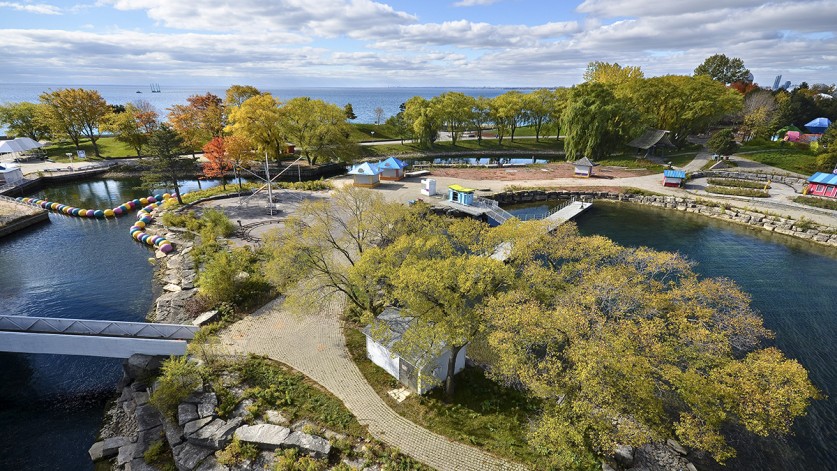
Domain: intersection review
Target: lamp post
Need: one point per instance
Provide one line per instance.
(70, 156)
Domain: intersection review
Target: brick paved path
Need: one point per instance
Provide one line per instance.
(314, 345)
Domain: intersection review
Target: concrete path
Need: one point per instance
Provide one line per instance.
(314, 345)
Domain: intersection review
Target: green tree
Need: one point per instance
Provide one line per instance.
(422, 120)
(133, 126)
(167, 166)
(722, 142)
(318, 129)
(349, 112)
(25, 119)
(596, 122)
(232, 276)
(481, 114)
(76, 113)
(259, 120)
(723, 69)
(541, 105)
(238, 94)
(622, 79)
(455, 112)
(508, 113)
(629, 346)
(399, 124)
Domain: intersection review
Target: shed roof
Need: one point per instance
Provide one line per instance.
(461, 189)
(393, 164)
(583, 162)
(823, 178)
(395, 322)
(674, 174)
(366, 168)
(650, 138)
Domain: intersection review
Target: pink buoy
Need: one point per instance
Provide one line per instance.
(166, 248)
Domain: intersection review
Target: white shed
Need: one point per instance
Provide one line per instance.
(583, 167)
(10, 174)
(420, 373)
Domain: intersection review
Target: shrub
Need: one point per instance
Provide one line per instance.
(817, 202)
(291, 461)
(237, 453)
(160, 456)
(738, 183)
(723, 190)
(232, 276)
(178, 379)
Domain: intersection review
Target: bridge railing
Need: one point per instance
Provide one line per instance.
(53, 325)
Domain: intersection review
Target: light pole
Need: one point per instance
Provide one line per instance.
(70, 156)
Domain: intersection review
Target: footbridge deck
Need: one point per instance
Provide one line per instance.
(116, 339)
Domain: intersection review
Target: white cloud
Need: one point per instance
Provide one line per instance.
(39, 8)
(472, 3)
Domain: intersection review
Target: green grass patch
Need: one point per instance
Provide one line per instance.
(817, 202)
(371, 132)
(518, 146)
(725, 190)
(482, 413)
(109, 147)
(789, 158)
(630, 160)
(733, 183)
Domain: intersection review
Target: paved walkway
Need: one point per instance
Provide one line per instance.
(314, 345)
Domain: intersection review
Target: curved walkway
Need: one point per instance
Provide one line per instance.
(314, 345)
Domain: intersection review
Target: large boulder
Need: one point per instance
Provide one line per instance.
(207, 317)
(206, 407)
(188, 456)
(216, 434)
(264, 436)
(148, 417)
(139, 365)
(624, 455)
(191, 427)
(107, 448)
(186, 413)
(676, 446)
(316, 447)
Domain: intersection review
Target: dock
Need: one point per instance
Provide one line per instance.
(15, 215)
(573, 209)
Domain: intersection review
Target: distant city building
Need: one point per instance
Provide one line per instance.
(776, 82)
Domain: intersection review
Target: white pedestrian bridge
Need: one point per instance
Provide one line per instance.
(115, 339)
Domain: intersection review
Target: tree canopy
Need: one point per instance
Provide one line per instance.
(133, 125)
(168, 168)
(25, 119)
(76, 113)
(198, 121)
(318, 129)
(596, 121)
(723, 69)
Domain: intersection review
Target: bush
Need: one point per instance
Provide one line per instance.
(179, 378)
(738, 183)
(237, 453)
(290, 460)
(232, 276)
(186, 220)
(724, 190)
(159, 455)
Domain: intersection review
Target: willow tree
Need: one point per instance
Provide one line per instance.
(595, 121)
(422, 119)
(318, 129)
(76, 113)
(630, 346)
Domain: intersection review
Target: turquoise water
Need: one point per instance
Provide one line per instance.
(51, 406)
(792, 283)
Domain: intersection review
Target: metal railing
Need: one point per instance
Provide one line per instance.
(54, 325)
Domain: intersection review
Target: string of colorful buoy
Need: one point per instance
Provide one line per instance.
(144, 216)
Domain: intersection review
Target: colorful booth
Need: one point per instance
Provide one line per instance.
(460, 194)
(674, 178)
(822, 184)
(366, 175)
(392, 169)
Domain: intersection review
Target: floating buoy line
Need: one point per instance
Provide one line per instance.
(144, 216)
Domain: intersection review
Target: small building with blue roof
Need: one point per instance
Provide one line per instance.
(392, 169)
(366, 175)
(822, 184)
(675, 178)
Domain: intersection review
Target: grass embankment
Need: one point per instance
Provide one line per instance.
(786, 157)
(232, 188)
(108, 148)
(817, 202)
(482, 413)
(729, 182)
(518, 146)
(748, 192)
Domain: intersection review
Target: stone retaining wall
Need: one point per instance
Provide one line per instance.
(795, 228)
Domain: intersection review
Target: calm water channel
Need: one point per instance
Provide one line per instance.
(51, 406)
(794, 286)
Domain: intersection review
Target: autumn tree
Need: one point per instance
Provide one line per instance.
(133, 126)
(596, 122)
(723, 69)
(454, 111)
(259, 120)
(623, 80)
(318, 129)
(168, 168)
(25, 119)
(238, 94)
(630, 346)
(227, 154)
(198, 121)
(76, 113)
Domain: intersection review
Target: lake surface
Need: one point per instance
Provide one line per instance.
(363, 100)
(793, 285)
(51, 406)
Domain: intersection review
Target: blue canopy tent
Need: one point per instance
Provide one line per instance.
(819, 125)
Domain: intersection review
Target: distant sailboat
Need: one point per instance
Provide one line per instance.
(155, 88)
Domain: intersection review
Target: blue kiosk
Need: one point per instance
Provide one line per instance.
(460, 194)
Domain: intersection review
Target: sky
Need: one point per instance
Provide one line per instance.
(449, 43)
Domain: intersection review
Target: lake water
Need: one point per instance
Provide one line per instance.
(792, 283)
(363, 100)
(51, 406)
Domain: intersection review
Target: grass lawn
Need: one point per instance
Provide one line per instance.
(482, 413)
(630, 160)
(517, 146)
(817, 202)
(363, 132)
(788, 158)
(108, 147)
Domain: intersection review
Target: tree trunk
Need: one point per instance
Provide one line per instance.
(95, 147)
(238, 176)
(449, 387)
(177, 192)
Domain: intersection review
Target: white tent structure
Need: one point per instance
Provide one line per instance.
(18, 145)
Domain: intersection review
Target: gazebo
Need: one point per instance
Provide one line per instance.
(366, 175)
(651, 140)
(818, 126)
(392, 169)
(583, 167)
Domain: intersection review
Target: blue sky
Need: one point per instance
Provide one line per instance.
(405, 43)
